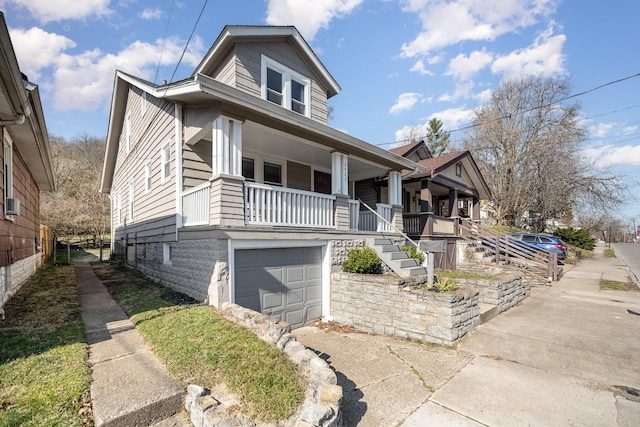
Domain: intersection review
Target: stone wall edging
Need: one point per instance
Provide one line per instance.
(321, 407)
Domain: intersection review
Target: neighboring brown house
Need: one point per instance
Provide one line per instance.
(27, 170)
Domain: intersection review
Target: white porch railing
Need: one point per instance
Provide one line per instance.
(367, 221)
(385, 212)
(195, 205)
(354, 216)
(270, 205)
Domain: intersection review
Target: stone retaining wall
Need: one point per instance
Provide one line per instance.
(386, 305)
(321, 407)
(505, 291)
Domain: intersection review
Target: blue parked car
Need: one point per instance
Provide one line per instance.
(546, 242)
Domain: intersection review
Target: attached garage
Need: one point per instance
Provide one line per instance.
(285, 283)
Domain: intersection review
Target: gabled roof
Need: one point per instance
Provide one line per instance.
(234, 33)
(435, 166)
(21, 112)
(409, 149)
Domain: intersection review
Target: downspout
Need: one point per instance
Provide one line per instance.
(178, 138)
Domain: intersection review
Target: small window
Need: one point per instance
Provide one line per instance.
(274, 86)
(458, 169)
(166, 253)
(248, 169)
(147, 177)
(118, 209)
(144, 103)
(8, 168)
(272, 173)
(165, 159)
(298, 103)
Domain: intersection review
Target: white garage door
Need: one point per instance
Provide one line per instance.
(285, 283)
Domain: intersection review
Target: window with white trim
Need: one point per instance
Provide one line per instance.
(117, 206)
(248, 169)
(272, 173)
(147, 177)
(8, 168)
(165, 161)
(131, 200)
(166, 253)
(285, 87)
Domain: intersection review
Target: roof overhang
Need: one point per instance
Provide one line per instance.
(203, 89)
(21, 113)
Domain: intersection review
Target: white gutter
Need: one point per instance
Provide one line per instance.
(17, 121)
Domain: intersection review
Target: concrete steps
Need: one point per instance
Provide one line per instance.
(487, 312)
(395, 258)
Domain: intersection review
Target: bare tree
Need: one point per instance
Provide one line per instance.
(526, 142)
(76, 208)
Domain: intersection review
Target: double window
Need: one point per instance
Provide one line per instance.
(270, 173)
(285, 87)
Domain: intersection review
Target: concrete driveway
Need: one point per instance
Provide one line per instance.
(569, 355)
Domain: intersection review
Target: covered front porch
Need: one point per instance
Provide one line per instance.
(243, 173)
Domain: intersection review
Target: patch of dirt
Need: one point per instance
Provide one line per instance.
(336, 327)
(627, 392)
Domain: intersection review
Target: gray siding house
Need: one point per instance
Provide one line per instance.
(230, 186)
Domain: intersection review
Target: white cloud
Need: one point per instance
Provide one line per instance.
(84, 81)
(405, 102)
(308, 17)
(628, 130)
(463, 67)
(484, 96)
(152, 13)
(453, 118)
(601, 130)
(36, 49)
(543, 58)
(419, 68)
(610, 155)
(59, 10)
(447, 22)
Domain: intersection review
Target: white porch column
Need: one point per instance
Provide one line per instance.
(339, 173)
(226, 147)
(395, 188)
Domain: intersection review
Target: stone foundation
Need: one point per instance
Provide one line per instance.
(505, 290)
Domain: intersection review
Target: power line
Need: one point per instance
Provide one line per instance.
(164, 41)
(204, 5)
(508, 115)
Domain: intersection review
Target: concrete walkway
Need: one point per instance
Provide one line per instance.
(568, 355)
(130, 387)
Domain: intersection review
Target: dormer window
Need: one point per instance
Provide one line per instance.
(285, 87)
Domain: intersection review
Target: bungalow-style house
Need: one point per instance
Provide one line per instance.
(27, 170)
(230, 186)
(449, 187)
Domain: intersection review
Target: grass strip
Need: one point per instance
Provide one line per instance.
(614, 285)
(453, 274)
(609, 253)
(198, 346)
(44, 371)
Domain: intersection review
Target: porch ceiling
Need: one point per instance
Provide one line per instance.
(273, 143)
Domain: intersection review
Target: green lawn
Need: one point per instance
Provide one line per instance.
(200, 347)
(44, 372)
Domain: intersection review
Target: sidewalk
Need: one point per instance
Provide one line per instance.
(553, 360)
(130, 387)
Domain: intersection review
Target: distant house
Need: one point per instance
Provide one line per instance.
(27, 170)
(230, 185)
(451, 187)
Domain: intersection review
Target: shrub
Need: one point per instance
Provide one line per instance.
(414, 253)
(576, 237)
(362, 261)
(445, 284)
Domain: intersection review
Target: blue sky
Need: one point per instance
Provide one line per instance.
(399, 62)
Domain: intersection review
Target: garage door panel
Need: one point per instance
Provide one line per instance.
(285, 283)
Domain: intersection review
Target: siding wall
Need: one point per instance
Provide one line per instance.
(149, 133)
(365, 191)
(298, 176)
(464, 179)
(242, 69)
